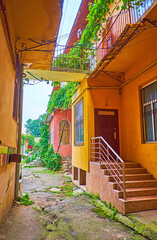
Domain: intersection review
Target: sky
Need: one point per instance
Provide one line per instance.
(36, 97)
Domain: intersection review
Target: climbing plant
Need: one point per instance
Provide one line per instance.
(44, 140)
(98, 14)
(61, 99)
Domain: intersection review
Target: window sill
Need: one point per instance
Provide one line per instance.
(78, 144)
(150, 142)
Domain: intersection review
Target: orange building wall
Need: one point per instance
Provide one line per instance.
(8, 126)
(133, 148)
(129, 113)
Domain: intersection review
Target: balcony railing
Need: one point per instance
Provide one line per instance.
(116, 24)
(82, 58)
(73, 58)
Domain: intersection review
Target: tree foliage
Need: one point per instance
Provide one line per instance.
(30, 139)
(33, 126)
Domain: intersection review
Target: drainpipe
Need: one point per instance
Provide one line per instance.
(20, 109)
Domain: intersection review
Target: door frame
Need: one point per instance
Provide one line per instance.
(117, 130)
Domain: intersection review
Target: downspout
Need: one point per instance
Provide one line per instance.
(20, 109)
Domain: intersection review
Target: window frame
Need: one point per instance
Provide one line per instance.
(78, 143)
(143, 105)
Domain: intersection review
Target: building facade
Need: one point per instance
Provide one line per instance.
(114, 113)
(60, 131)
(19, 21)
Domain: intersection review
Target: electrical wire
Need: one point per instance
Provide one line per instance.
(63, 18)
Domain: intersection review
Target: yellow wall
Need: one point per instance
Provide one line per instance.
(133, 147)
(8, 126)
(129, 113)
(7, 180)
(93, 98)
(80, 153)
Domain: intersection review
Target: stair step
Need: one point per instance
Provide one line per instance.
(141, 198)
(137, 184)
(127, 165)
(134, 204)
(136, 192)
(127, 171)
(129, 177)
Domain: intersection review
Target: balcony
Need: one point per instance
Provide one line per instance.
(82, 59)
(74, 58)
(116, 24)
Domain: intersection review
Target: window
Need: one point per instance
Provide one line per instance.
(149, 102)
(51, 134)
(64, 132)
(62, 84)
(78, 108)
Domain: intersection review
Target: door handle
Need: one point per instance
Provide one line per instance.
(115, 135)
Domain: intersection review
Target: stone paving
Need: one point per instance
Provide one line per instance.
(60, 212)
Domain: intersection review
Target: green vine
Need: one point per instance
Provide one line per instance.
(98, 14)
(61, 99)
(44, 140)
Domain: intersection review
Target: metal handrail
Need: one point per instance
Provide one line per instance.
(102, 151)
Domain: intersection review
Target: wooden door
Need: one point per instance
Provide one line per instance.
(106, 125)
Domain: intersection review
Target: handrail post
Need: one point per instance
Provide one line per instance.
(107, 153)
(100, 150)
(124, 190)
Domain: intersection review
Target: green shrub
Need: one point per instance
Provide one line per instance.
(52, 159)
(29, 159)
(25, 200)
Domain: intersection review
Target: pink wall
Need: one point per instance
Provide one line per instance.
(65, 150)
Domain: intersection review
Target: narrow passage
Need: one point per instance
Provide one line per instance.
(60, 212)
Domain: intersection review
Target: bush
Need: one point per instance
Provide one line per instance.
(29, 159)
(52, 160)
(25, 200)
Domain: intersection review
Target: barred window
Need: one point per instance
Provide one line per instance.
(64, 132)
(78, 109)
(149, 102)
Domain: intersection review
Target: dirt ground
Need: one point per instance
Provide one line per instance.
(60, 211)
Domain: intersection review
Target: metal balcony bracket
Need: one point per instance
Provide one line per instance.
(33, 45)
(152, 22)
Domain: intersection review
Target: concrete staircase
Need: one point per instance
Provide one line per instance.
(141, 187)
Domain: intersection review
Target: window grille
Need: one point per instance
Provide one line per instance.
(64, 132)
(149, 102)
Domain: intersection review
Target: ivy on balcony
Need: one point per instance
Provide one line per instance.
(82, 50)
